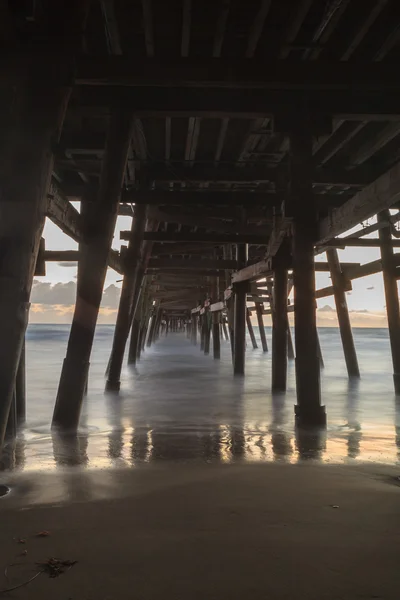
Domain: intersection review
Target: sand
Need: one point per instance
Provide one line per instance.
(208, 531)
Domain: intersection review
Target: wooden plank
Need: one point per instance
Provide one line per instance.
(259, 269)
(62, 213)
(217, 306)
(377, 196)
(220, 198)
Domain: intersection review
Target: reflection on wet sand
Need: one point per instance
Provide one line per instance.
(352, 406)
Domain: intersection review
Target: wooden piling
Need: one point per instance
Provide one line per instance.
(251, 330)
(134, 342)
(152, 327)
(216, 335)
(225, 330)
(130, 285)
(240, 291)
(279, 329)
(20, 388)
(391, 294)
(346, 333)
(290, 349)
(260, 321)
(194, 329)
(207, 332)
(99, 223)
(301, 207)
(202, 332)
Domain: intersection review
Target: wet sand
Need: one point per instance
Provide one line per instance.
(209, 531)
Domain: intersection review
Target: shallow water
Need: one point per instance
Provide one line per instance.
(178, 404)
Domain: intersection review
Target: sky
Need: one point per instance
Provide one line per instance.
(53, 295)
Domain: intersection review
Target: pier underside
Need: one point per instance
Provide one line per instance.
(243, 139)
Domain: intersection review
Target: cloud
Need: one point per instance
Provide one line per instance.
(68, 264)
(60, 293)
(64, 294)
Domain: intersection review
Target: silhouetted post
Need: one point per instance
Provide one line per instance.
(128, 295)
(207, 331)
(260, 321)
(202, 331)
(346, 333)
(225, 329)
(290, 349)
(279, 328)
(301, 206)
(20, 388)
(34, 102)
(240, 291)
(99, 219)
(391, 295)
(251, 330)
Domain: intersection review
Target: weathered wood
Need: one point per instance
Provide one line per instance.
(99, 218)
(378, 196)
(308, 409)
(20, 388)
(34, 125)
(259, 313)
(240, 311)
(220, 198)
(279, 329)
(391, 296)
(65, 216)
(130, 285)
(207, 332)
(251, 330)
(346, 333)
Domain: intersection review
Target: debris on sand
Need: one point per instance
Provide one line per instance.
(43, 534)
(55, 567)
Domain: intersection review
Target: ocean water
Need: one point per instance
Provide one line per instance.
(178, 404)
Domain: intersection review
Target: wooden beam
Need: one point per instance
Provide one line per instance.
(148, 27)
(68, 219)
(220, 103)
(371, 146)
(232, 73)
(357, 242)
(186, 21)
(206, 222)
(207, 238)
(194, 265)
(258, 173)
(62, 213)
(377, 196)
(364, 28)
(257, 27)
(220, 28)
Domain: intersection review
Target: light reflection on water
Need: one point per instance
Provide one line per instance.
(178, 404)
